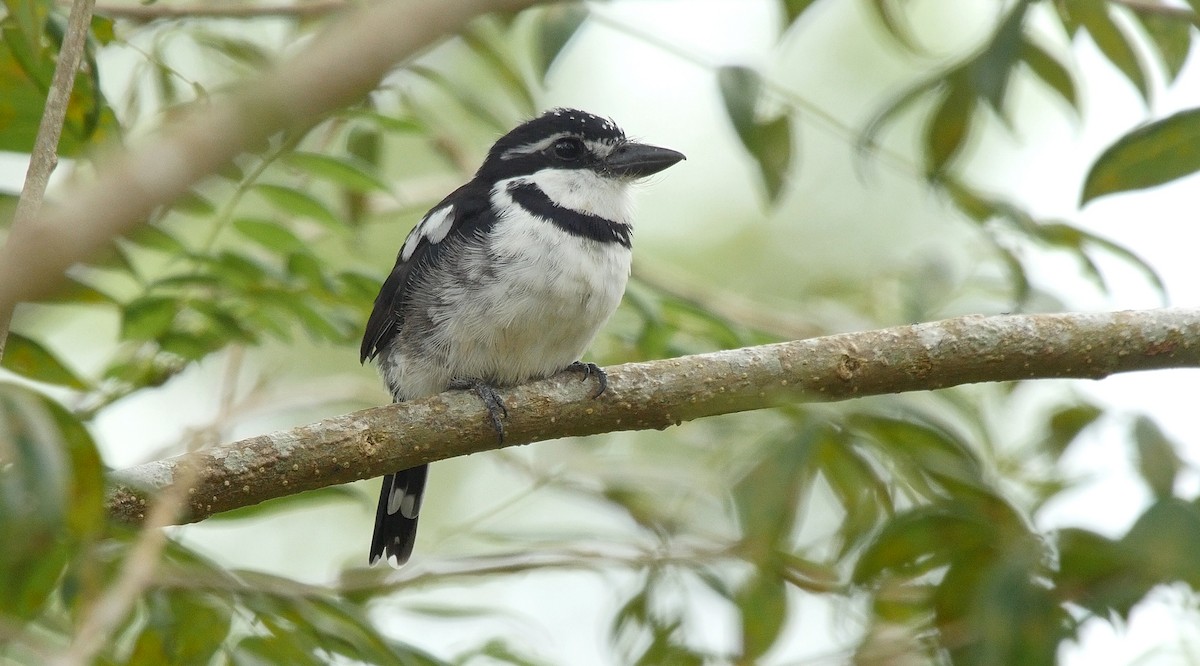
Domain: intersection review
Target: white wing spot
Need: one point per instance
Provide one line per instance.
(438, 225)
(433, 228)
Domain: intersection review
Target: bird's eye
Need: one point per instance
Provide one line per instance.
(568, 149)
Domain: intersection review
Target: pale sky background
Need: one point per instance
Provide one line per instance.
(659, 97)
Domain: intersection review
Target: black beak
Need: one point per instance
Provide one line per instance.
(635, 160)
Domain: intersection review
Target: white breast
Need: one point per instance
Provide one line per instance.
(521, 302)
(556, 291)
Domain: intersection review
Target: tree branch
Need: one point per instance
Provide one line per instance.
(44, 156)
(339, 66)
(1153, 8)
(659, 394)
(144, 13)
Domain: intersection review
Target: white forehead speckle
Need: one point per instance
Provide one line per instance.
(432, 228)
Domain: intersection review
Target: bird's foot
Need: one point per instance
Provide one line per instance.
(491, 400)
(589, 369)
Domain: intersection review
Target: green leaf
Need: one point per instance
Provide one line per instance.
(297, 203)
(314, 321)
(220, 320)
(770, 142)
(244, 51)
(26, 68)
(191, 203)
(1158, 459)
(28, 358)
(1165, 542)
(87, 514)
(50, 497)
(318, 497)
(365, 145)
(181, 628)
(989, 72)
(305, 267)
(1066, 423)
(240, 272)
(557, 25)
(772, 149)
(935, 451)
(1151, 155)
(1022, 288)
(358, 287)
(148, 317)
(29, 17)
(948, 128)
(272, 650)
(1095, 16)
(466, 96)
(921, 540)
(155, 237)
(891, 17)
(143, 372)
(274, 236)
(792, 9)
(488, 47)
(204, 282)
(857, 484)
(347, 171)
(895, 106)
(102, 30)
(24, 98)
(191, 346)
(1129, 257)
(740, 88)
(966, 527)
(397, 124)
(971, 203)
(346, 631)
(497, 651)
(768, 496)
(1013, 617)
(1172, 40)
(1098, 573)
(1052, 72)
(763, 605)
(74, 291)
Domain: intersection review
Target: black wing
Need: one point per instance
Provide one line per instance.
(469, 211)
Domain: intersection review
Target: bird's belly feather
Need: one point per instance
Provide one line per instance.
(523, 309)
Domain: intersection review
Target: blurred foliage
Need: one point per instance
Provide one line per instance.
(916, 511)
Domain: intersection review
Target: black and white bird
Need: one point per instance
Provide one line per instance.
(507, 280)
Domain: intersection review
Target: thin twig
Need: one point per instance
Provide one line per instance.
(1154, 8)
(140, 13)
(44, 157)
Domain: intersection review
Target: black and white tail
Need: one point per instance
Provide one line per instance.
(397, 513)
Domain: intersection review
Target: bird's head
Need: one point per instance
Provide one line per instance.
(570, 139)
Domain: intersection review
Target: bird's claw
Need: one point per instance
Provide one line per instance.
(491, 399)
(589, 369)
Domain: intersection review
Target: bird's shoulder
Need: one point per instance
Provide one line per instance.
(463, 212)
